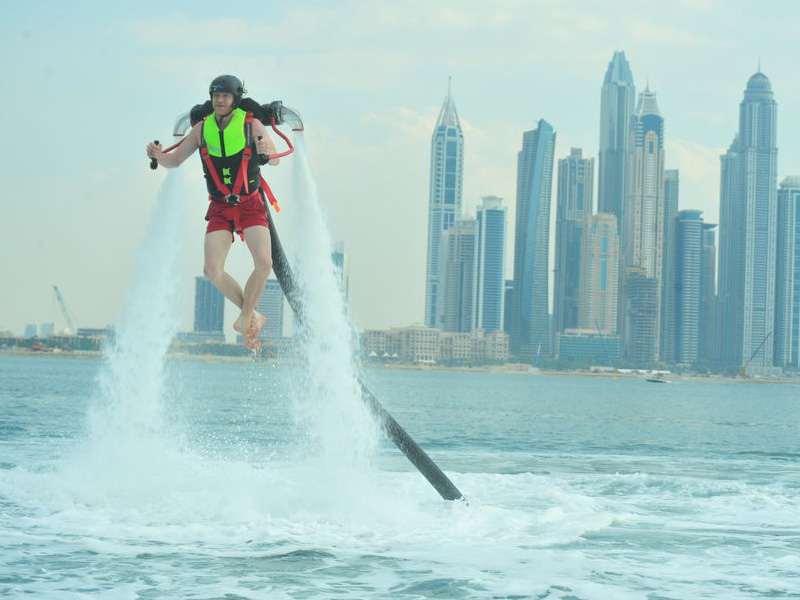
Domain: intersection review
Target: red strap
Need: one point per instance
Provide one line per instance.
(272, 200)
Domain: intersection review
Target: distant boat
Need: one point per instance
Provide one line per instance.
(658, 380)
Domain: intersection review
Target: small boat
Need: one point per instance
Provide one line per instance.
(657, 380)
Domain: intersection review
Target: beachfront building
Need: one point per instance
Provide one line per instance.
(574, 195)
(457, 278)
(444, 201)
(787, 275)
(599, 283)
(530, 320)
(209, 310)
(748, 232)
(642, 233)
(490, 264)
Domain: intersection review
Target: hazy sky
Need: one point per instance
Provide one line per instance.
(88, 84)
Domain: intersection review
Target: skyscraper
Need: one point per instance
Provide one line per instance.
(600, 275)
(271, 306)
(209, 307)
(787, 275)
(709, 351)
(671, 188)
(617, 99)
(444, 203)
(687, 277)
(573, 207)
(530, 329)
(748, 210)
(490, 264)
(457, 285)
(643, 216)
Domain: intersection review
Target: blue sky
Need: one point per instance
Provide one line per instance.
(89, 83)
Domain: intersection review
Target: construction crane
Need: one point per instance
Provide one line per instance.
(64, 311)
(743, 370)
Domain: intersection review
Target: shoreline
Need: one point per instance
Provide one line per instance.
(506, 369)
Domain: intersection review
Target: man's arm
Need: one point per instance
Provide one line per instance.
(190, 143)
(264, 144)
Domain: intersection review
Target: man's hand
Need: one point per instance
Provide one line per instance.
(154, 150)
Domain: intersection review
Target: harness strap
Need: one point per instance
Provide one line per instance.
(265, 190)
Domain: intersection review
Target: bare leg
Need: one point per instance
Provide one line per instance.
(216, 247)
(249, 321)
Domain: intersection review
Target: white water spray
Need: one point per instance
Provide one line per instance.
(127, 417)
(340, 428)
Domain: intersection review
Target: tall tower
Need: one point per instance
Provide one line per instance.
(457, 289)
(530, 328)
(573, 207)
(444, 203)
(688, 278)
(709, 350)
(209, 307)
(271, 306)
(643, 221)
(490, 264)
(617, 99)
(748, 231)
(671, 189)
(600, 275)
(787, 275)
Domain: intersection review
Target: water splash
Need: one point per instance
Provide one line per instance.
(127, 422)
(340, 429)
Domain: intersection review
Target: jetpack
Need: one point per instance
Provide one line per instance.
(275, 114)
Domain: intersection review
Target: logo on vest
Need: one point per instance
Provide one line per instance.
(226, 176)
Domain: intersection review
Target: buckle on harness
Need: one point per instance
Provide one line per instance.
(232, 199)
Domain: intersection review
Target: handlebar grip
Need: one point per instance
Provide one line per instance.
(153, 161)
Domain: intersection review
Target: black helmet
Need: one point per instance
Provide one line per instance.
(227, 84)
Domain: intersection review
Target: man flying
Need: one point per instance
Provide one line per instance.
(229, 141)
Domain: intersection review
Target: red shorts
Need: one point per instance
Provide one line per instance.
(249, 212)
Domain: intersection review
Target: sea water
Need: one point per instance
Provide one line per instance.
(578, 487)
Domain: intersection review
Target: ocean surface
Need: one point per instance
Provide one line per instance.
(218, 483)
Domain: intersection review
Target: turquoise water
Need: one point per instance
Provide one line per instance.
(578, 488)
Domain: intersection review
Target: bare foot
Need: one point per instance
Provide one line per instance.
(250, 328)
(256, 324)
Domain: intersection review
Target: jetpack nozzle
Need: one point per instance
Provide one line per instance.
(283, 115)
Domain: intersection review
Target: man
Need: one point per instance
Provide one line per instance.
(236, 206)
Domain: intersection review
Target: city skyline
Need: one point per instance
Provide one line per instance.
(368, 105)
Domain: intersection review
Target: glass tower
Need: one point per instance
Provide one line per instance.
(573, 208)
(748, 231)
(209, 306)
(490, 264)
(642, 236)
(530, 322)
(617, 98)
(787, 275)
(444, 203)
(457, 290)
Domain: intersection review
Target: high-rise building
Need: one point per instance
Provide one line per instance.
(31, 330)
(271, 306)
(787, 275)
(687, 280)
(600, 275)
(209, 307)
(671, 188)
(573, 207)
(444, 203)
(617, 99)
(709, 350)
(341, 262)
(457, 284)
(748, 228)
(641, 316)
(490, 264)
(642, 232)
(530, 321)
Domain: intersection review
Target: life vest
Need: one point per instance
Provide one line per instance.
(227, 165)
